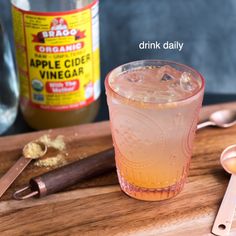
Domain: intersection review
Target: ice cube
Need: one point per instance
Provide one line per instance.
(166, 77)
(186, 82)
(174, 73)
(135, 77)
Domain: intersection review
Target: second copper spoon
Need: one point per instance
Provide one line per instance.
(225, 215)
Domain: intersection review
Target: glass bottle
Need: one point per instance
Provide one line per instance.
(57, 50)
(9, 93)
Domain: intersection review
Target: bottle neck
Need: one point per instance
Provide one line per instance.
(50, 6)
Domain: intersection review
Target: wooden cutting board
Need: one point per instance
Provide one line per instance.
(98, 207)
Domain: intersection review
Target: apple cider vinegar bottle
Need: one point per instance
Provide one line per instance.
(57, 54)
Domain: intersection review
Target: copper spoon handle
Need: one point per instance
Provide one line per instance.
(226, 211)
(8, 178)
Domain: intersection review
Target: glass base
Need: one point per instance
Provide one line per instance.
(150, 194)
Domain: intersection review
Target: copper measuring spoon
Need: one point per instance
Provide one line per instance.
(221, 119)
(8, 178)
(225, 215)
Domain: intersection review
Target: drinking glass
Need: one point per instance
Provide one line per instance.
(154, 107)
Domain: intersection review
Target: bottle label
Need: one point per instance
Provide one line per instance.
(58, 57)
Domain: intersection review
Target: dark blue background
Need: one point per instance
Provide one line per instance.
(207, 28)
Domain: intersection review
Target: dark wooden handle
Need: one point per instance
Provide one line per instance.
(71, 174)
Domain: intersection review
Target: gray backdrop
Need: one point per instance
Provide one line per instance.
(207, 28)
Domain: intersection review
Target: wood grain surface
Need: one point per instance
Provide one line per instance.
(98, 207)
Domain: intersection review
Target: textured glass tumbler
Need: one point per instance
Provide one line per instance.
(153, 139)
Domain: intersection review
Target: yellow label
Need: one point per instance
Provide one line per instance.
(58, 57)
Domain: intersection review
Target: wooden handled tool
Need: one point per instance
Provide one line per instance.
(68, 175)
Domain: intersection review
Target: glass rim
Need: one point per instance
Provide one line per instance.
(183, 100)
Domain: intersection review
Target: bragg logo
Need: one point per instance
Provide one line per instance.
(58, 28)
(59, 24)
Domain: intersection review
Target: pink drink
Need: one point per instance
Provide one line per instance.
(154, 108)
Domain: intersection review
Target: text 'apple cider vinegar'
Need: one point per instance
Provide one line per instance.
(57, 53)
